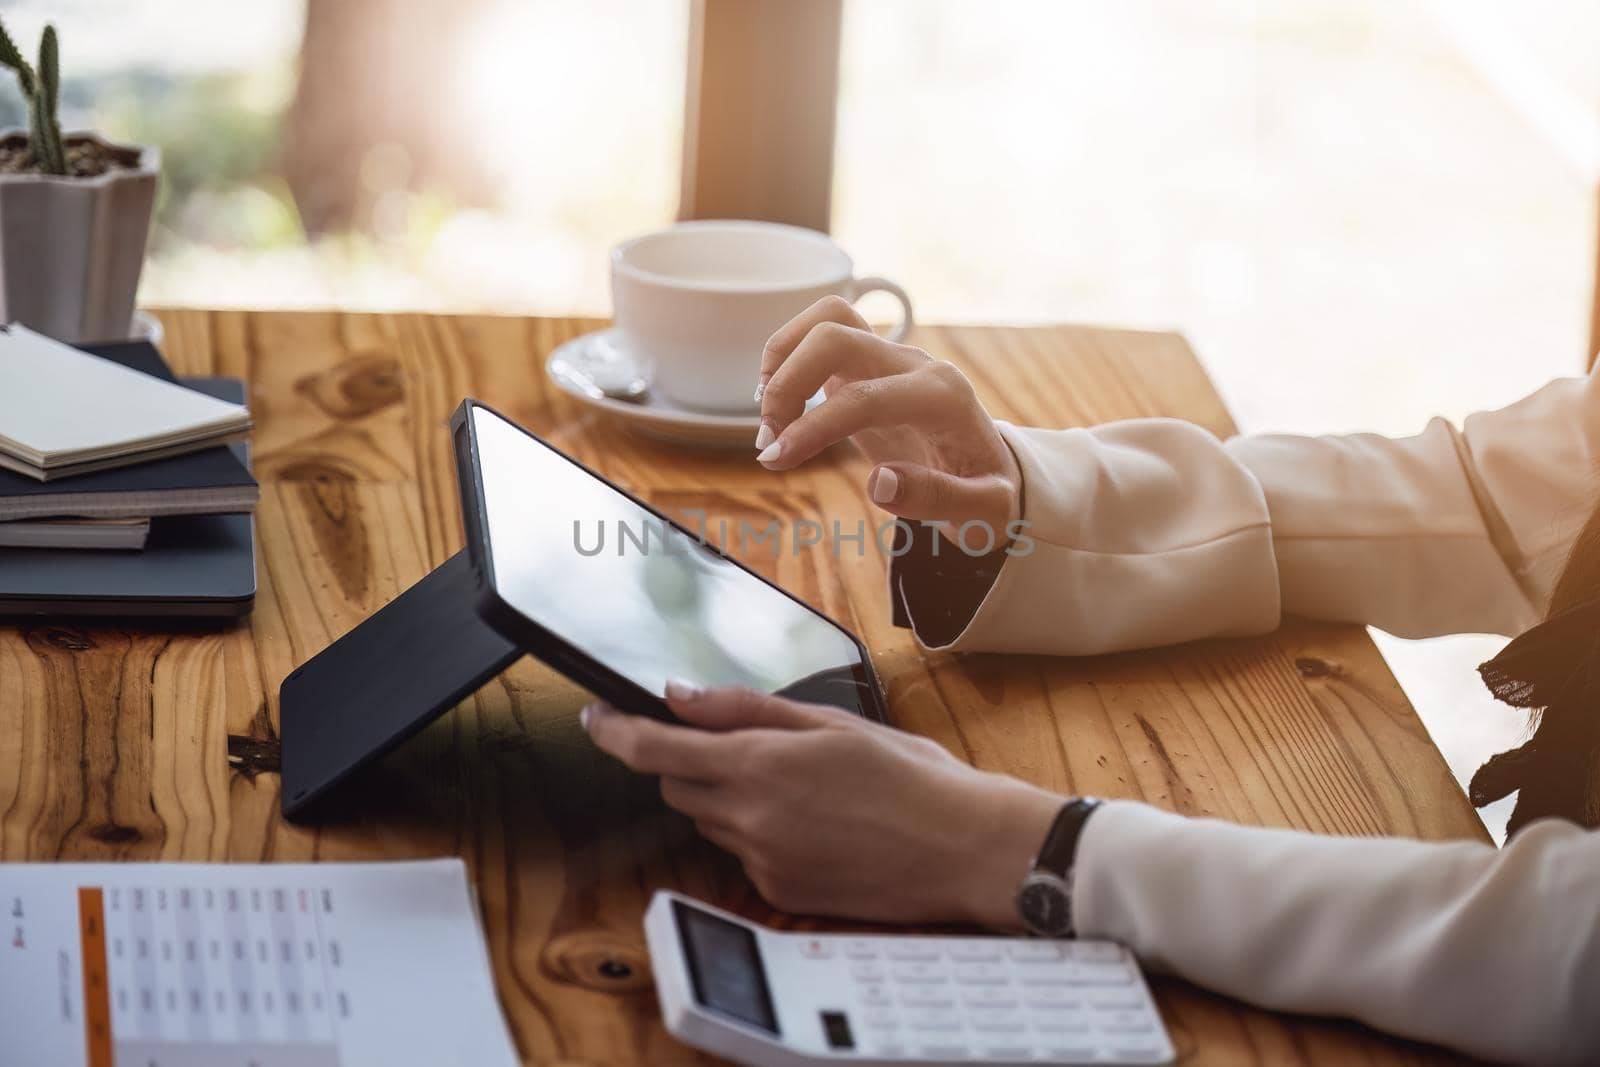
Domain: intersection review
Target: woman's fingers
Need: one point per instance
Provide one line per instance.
(978, 510)
(834, 309)
(701, 801)
(652, 747)
(740, 708)
(830, 350)
(922, 398)
(719, 834)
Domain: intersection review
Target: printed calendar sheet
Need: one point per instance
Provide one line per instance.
(226, 965)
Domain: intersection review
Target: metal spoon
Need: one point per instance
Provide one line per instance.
(601, 371)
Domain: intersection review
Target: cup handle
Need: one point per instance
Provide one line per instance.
(862, 286)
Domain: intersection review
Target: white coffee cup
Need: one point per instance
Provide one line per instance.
(695, 303)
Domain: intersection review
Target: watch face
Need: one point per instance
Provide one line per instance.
(1045, 905)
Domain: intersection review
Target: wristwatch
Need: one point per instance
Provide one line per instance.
(1044, 900)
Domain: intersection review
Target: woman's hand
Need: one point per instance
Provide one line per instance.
(831, 814)
(937, 453)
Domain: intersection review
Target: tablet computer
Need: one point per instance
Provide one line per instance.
(620, 597)
(653, 602)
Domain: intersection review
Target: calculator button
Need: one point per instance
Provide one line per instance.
(887, 1050)
(860, 949)
(1037, 951)
(1123, 1022)
(911, 950)
(1052, 997)
(928, 997)
(920, 973)
(975, 951)
(1097, 951)
(1007, 1052)
(982, 973)
(1121, 1000)
(943, 1052)
(1142, 1050)
(1102, 974)
(1068, 1021)
(866, 972)
(1045, 977)
(932, 1019)
(876, 996)
(814, 948)
(997, 1021)
(989, 997)
(1107, 973)
(1074, 1053)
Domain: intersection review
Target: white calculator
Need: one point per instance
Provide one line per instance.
(773, 999)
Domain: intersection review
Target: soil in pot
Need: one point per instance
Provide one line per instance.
(86, 158)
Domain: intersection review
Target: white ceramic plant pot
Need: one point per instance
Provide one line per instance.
(71, 248)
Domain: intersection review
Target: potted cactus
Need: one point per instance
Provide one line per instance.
(74, 214)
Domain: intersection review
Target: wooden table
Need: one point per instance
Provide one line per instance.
(114, 742)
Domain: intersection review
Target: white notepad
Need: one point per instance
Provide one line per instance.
(226, 965)
(65, 412)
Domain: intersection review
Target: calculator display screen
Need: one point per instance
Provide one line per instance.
(725, 967)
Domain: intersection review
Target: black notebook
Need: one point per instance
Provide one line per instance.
(192, 567)
(209, 482)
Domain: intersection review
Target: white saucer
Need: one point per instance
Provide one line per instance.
(655, 415)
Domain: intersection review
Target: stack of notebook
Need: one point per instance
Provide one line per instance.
(101, 448)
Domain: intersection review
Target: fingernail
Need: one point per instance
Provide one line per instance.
(885, 486)
(678, 689)
(761, 390)
(770, 453)
(586, 715)
(765, 436)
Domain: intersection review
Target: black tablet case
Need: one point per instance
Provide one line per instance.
(418, 655)
(192, 567)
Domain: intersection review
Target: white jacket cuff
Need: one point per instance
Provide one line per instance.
(1138, 533)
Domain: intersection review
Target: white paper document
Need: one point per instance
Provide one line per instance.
(228, 965)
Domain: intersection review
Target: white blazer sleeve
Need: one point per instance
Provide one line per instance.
(1143, 532)
(1449, 531)
(1151, 531)
(1492, 952)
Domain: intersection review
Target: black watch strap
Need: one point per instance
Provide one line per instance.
(1060, 848)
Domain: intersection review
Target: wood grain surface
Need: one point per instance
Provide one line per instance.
(114, 743)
